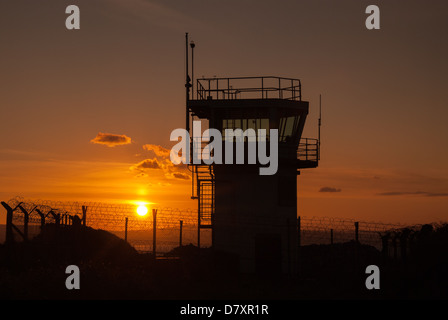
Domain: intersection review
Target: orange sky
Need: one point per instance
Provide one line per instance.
(384, 132)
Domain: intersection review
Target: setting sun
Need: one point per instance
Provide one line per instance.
(142, 210)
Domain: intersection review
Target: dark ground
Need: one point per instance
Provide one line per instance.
(111, 269)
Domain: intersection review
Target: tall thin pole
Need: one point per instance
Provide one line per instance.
(320, 123)
(154, 229)
(9, 212)
(199, 218)
(187, 97)
(187, 85)
(192, 45)
(25, 223)
(180, 233)
(84, 215)
(126, 230)
(42, 218)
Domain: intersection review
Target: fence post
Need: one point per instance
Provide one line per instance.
(262, 88)
(57, 218)
(42, 218)
(26, 219)
(154, 228)
(279, 89)
(357, 231)
(84, 215)
(126, 230)
(180, 233)
(25, 222)
(9, 235)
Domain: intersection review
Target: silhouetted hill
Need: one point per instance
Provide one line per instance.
(112, 269)
(36, 269)
(63, 244)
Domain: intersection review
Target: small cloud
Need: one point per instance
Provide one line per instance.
(161, 160)
(413, 193)
(159, 151)
(141, 175)
(399, 193)
(431, 194)
(111, 140)
(180, 175)
(146, 164)
(329, 189)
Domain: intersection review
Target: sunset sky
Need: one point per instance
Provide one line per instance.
(86, 114)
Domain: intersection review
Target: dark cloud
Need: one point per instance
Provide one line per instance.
(413, 193)
(147, 164)
(141, 175)
(399, 193)
(159, 151)
(162, 153)
(111, 140)
(329, 189)
(161, 160)
(433, 194)
(181, 175)
(180, 171)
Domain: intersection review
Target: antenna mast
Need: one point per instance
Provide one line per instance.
(187, 85)
(189, 150)
(192, 45)
(319, 124)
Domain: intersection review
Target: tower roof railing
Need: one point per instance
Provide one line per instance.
(265, 87)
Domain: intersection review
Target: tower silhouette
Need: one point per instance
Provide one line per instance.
(250, 215)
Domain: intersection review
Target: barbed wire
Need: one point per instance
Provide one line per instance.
(105, 216)
(112, 217)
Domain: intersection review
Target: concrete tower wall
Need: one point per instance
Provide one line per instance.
(254, 219)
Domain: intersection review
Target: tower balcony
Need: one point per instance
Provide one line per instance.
(265, 87)
(308, 153)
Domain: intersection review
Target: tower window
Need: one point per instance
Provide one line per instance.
(244, 124)
(288, 128)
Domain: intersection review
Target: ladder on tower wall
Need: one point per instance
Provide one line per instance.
(205, 193)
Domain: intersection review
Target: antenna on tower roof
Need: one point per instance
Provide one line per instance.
(319, 124)
(187, 81)
(192, 45)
